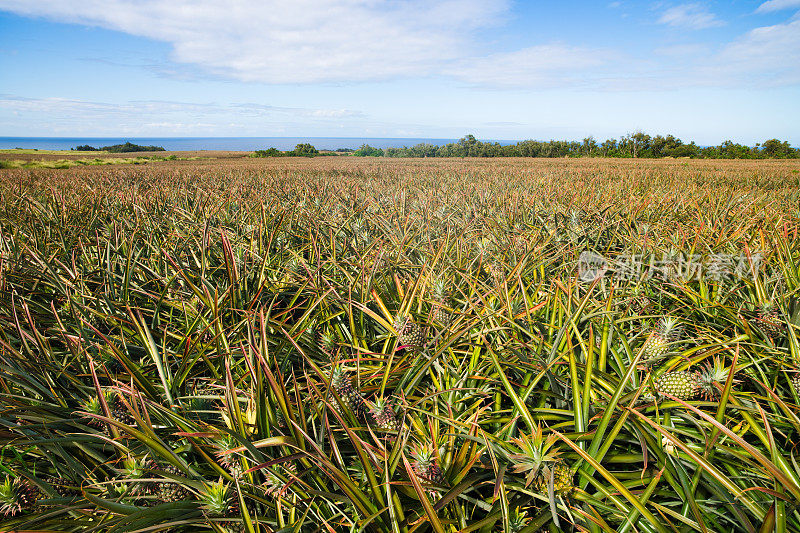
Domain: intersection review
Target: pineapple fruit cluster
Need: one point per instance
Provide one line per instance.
(373, 345)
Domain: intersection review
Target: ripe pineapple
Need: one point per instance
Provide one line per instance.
(661, 338)
(424, 463)
(17, 496)
(768, 320)
(383, 414)
(409, 333)
(340, 381)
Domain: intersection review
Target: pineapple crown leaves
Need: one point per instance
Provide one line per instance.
(16, 496)
(670, 328)
(440, 291)
(402, 323)
(533, 453)
(713, 376)
(380, 405)
(215, 498)
(517, 520)
(224, 444)
(423, 454)
(339, 377)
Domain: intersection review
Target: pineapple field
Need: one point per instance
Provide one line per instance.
(373, 345)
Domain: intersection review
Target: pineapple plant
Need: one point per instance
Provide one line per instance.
(228, 460)
(340, 381)
(274, 485)
(425, 464)
(441, 296)
(496, 271)
(539, 460)
(769, 321)
(219, 500)
(383, 414)
(689, 384)
(662, 337)
(409, 333)
(17, 496)
(326, 342)
(94, 406)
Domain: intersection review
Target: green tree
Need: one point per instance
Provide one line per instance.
(304, 150)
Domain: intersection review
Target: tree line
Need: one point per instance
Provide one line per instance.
(119, 148)
(636, 145)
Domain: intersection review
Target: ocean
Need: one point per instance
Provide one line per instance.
(217, 143)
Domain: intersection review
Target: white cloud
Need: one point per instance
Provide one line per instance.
(769, 54)
(333, 41)
(541, 66)
(149, 112)
(291, 41)
(691, 16)
(777, 5)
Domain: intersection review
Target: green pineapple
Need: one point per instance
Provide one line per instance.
(409, 333)
(17, 496)
(639, 303)
(683, 384)
(165, 489)
(326, 342)
(227, 459)
(383, 415)
(661, 339)
(441, 296)
(274, 485)
(94, 406)
(424, 463)
(340, 381)
(689, 384)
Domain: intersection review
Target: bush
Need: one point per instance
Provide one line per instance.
(86, 148)
(304, 150)
(269, 152)
(368, 151)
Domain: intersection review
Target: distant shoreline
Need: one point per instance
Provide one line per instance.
(245, 144)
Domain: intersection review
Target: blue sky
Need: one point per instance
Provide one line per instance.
(705, 71)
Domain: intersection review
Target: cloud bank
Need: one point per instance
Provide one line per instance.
(356, 41)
